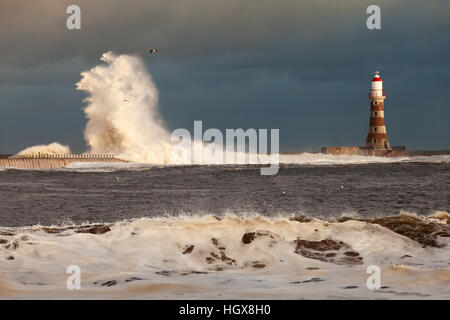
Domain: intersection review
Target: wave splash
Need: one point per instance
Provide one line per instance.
(122, 111)
(52, 148)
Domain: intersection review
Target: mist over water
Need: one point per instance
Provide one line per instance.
(122, 111)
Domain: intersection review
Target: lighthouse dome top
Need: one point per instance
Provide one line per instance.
(376, 77)
(376, 88)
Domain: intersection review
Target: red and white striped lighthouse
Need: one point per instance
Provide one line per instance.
(377, 138)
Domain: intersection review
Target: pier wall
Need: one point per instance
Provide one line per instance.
(50, 161)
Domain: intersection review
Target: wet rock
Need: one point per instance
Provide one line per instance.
(194, 272)
(215, 241)
(406, 293)
(221, 255)
(421, 231)
(6, 233)
(12, 245)
(350, 287)
(323, 245)
(133, 279)
(109, 283)
(315, 279)
(351, 253)
(248, 237)
(259, 265)
(301, 219)
(53, 230)
(94, 229)
(328, 250)
(188, 249)
(3, 241)
(10, 258)
(164, 273)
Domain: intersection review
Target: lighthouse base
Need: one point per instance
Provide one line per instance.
(397, 151)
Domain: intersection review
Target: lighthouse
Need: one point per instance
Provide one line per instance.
(377, 143)
(376, 137)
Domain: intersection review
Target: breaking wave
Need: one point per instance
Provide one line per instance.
(52, 148)
(122, 111)
(204, 256)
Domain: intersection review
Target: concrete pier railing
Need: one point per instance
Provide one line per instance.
(49, 161)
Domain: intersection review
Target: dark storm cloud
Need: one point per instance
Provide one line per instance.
(301, 66)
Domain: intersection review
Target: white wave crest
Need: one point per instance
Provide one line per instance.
(52, 148)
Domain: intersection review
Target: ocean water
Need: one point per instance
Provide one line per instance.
(188, 232)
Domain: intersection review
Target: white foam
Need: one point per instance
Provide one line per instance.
(52, 148)
(145, 247)
(306, 158)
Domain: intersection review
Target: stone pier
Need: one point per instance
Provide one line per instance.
(50, 161)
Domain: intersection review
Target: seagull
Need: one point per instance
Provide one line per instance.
(117, 179)
(153, 51)
(342, 187)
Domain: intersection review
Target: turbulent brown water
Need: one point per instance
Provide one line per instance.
(311, 231)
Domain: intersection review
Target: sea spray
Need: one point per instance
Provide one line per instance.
(124, 120)
(52, 148)
(122, 111)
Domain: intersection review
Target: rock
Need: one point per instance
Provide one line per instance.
(423, 232)
(188, 249)
(133, 279)
(328, 250)
(301, 219)
(248, 237)
(95, 229)
(109, 283)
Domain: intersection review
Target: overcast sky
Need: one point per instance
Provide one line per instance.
(301, 66)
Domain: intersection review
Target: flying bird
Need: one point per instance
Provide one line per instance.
(153, 51)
